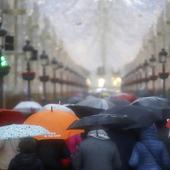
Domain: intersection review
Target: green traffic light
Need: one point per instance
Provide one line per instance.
(3, 61)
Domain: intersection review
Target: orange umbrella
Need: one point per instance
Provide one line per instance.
(55, 121)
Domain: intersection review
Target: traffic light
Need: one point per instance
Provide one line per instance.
(3, 61)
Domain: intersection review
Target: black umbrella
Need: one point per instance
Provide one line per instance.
(117, 121)
(160, 106)
(95, 102)
(82, 111)
(118, 102)
(74, 100)
(139, 115)
(90, 106)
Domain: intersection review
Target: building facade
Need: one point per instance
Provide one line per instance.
(23, 20)
(148, 74)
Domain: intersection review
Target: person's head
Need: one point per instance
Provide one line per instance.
(27, 145)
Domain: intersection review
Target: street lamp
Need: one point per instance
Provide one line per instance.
(153, 77)
(28, 75)
(44, 78)
(163, 75)
(4, 67)
(54, 79)
(145, 69)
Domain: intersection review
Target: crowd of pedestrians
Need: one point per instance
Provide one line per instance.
(97, 148)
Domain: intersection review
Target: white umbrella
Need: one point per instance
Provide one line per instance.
(28, 107)
(22, 130)
(57, 107)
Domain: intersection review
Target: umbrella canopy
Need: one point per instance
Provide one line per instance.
(113, 120)
(20, 131)
(28, 107)
(8, 116)
(74, 99)
(158, 105)
(55, 121)
(95, 102)
(82, 111)
(126, 96)
(57, 107)
(117, 101)
(139, 115)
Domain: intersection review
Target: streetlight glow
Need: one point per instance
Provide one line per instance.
(88, 82)
(101, 82)
(117, 81)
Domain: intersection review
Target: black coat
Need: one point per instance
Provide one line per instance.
(125, 141)
(25, 162)
(51, 152)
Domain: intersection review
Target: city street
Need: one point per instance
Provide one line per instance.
(84, 84)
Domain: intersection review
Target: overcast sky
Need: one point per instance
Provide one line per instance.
(79, 23)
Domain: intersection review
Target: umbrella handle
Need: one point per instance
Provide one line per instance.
(51, 108)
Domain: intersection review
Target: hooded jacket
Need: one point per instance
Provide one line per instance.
(150, 152)
(97, 152)
(51, 152)
(26, 162)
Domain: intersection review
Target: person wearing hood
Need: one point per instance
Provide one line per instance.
(97, 152)
(53, 153)
(150, 153)
(27, 158)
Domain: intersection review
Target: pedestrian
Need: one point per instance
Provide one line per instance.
(163, 133)
(27, 158)
(72, 143)
(125, 140)
(150, 153)
(97, 152)
(53, 153)
(8, 150)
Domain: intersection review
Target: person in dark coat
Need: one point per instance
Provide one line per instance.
(150, 153)
(27, 158)
(97, 152)
(163, 133)
(125, 140)
(51, 152)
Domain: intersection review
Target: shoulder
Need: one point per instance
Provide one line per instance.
(38, 162)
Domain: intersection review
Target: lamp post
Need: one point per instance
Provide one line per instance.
(28, 75)
(153, 77)
(163, 75)
(4, 67)
(44, 78)
(54, 79)
(145, 69)
(61, 81)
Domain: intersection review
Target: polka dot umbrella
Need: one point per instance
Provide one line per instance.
(22, 130)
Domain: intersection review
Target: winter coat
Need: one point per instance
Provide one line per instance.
(51, 152)
(163, 134)
(73, 142)
(27, 161)
(8, 150)
(150, 153)
(125, 141)
(97, 153)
